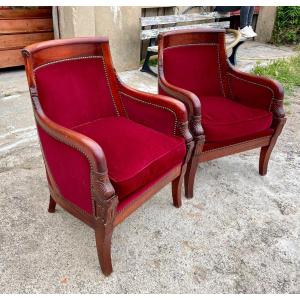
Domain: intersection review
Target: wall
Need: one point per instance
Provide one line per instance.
(265, 23)
(120, 24)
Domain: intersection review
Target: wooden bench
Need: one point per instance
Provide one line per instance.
(151, 28)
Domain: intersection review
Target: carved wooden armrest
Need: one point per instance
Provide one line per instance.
(169, 115)
(249, 87)
(190, 100)
(103, 193)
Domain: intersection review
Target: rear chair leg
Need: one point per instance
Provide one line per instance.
(52, 204)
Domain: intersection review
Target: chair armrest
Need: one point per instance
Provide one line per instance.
(159, 112)
(189, 99)
(79, 142)
(256, 91)
(101, 190)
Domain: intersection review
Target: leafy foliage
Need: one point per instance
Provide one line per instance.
(286, 71)
(287, 25)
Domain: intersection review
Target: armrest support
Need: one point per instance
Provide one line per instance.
(101, 190)
(159, 112)
(256, 91)
(190, 100)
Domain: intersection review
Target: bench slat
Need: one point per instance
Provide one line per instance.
(152, 33)
(171, 19)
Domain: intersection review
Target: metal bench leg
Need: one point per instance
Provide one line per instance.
(146, 68)
(232, 57)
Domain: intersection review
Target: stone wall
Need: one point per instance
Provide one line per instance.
(120, 24)
(265, 23)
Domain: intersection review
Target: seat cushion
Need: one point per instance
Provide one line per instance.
(224, 119)
(135, 154)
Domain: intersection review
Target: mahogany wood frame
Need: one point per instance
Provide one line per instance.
(193, 104)
(105, 199)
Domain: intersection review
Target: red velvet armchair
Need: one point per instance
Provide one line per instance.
(107, 148)
(229, 111)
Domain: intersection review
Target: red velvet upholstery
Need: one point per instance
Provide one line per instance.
(229, 111)
(199, 73)
(143, 154)
(107, 148)
(76, 93)
(70, 171)
(224, 119)
(233, 105)
(78, 87)
(130, 199)
(159, 117)
(250, 93)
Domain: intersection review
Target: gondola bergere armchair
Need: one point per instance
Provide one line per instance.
(107, 148)
(229, 111)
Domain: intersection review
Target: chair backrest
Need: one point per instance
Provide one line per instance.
(74, 79)
(194, 60)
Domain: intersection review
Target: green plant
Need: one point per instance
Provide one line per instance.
(286, 71)
(153, 62)
(287, 25)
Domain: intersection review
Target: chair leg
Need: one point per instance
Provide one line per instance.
(103, 243)
(176, 190)
(190, 175)
(52, 205)
(264, 157)
(265, 152)
(191, 170)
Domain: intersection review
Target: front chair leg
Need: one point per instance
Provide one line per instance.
(103, 242)
(52, 205)
(265, 152)
(105, 208)
(189, 178)
(176, 190)
(191, 170)
(264, 157)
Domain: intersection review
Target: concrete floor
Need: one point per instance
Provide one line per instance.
(239, 234)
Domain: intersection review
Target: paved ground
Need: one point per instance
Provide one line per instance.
(240, 233)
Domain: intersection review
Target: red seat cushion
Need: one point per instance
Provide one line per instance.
(224, 119)
(135, 154)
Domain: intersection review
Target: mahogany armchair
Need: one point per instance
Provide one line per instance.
(229, 111)
(107, 148)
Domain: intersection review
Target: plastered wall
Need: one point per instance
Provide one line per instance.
(120, 24)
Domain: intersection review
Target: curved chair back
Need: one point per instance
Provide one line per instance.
(194, 60)
(73, 79)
